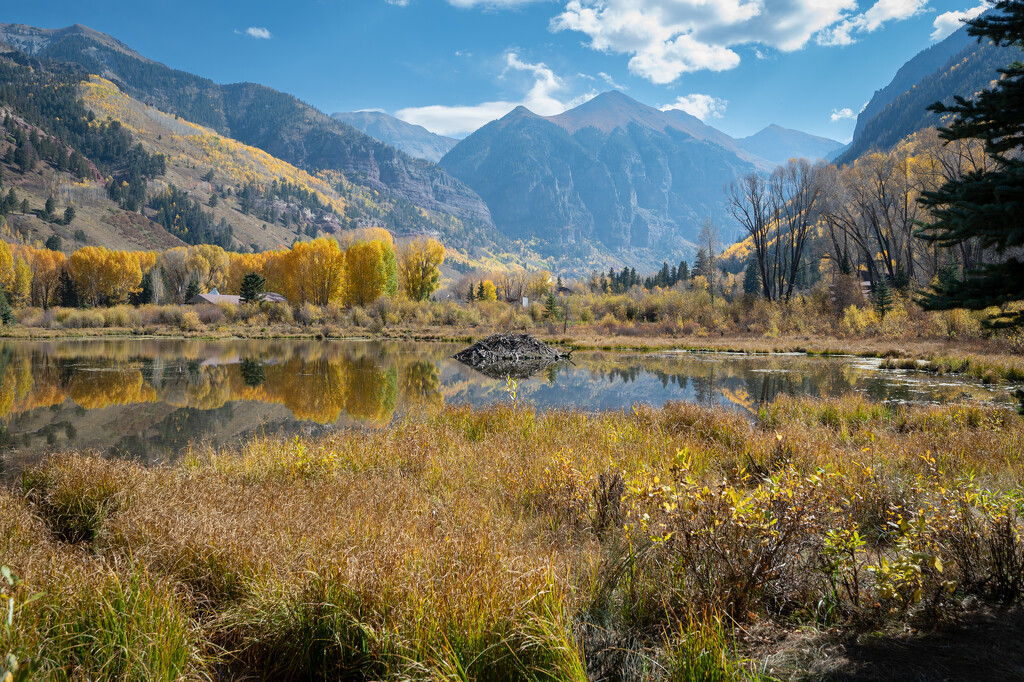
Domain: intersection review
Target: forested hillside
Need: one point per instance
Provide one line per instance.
(84, 162)
(958, 66)
(259, 116)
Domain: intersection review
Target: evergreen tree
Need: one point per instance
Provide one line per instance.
(69, 215)
(145, 293)
(986, 206)
(24, 206)
(700, 264)
(253, 288)
(752, 279)
(882, 298)
(845, 268)
(551, 308)
(6, 314)
(480, 292)
(54, 242)
(67, 292)
(191, 289)
(684, 271)
(49, 207)
(470, 295)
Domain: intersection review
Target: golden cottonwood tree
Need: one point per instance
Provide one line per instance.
(489, 291)
(240, 265)
(207, 265)
(174, 265)
(22, 287)
(372, 271)
(47, 267)
(103, 276)
(6, 267)
(419, 267)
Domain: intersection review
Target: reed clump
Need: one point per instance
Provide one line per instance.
(506, 543)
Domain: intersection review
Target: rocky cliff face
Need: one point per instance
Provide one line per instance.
(414, 140)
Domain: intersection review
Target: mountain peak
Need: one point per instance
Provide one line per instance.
(611, 110)
(778, 144)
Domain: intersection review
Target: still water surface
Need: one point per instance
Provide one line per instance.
(148, 399)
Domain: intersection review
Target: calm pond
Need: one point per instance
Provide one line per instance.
(148, 399)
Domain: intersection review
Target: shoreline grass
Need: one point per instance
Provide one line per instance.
(506, 543)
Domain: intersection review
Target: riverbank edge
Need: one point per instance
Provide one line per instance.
(982, 360)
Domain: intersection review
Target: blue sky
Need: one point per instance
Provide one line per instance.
(451, 65)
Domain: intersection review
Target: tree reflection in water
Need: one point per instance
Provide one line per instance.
(147, 398)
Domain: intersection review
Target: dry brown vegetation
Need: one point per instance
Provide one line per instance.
(504, 543)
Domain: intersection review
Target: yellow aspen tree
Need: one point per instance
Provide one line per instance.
(47, 267)
(372, 271)
(320, 266)
(22, 287)
(207, 264)
(240, 265)
(419, 271)
(490, 291)
(85, 267)
(6, 267)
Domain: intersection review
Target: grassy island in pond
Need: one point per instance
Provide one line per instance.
(821, 539)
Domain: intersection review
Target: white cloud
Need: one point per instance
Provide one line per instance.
(611, 81)
(871, 20)
(667, 38)
(257, 32)
(948, 22)
(492, 4)
(701, 106)
(844, 113)
(398, 3)
(542, 98)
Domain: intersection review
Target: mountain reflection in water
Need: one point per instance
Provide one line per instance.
(148, 399)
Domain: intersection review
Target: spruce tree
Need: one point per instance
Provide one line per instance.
(67, 292)
(986, 206)
(470, 295)
(253, 288)
(700, 264)
(551, 307)
(6, 314)
(751, 279)
(145, 292)
(882, 298)
(191, 289)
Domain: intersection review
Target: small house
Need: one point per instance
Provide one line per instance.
(216, 297)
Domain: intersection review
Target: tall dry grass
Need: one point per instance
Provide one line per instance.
(505, 543)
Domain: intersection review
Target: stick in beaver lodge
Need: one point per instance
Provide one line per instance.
(517, 355)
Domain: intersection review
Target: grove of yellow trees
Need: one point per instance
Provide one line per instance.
(355, 270)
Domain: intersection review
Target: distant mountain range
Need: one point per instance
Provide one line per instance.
(956, 66)
(412, 139)
(610, 179)
(612, 170)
